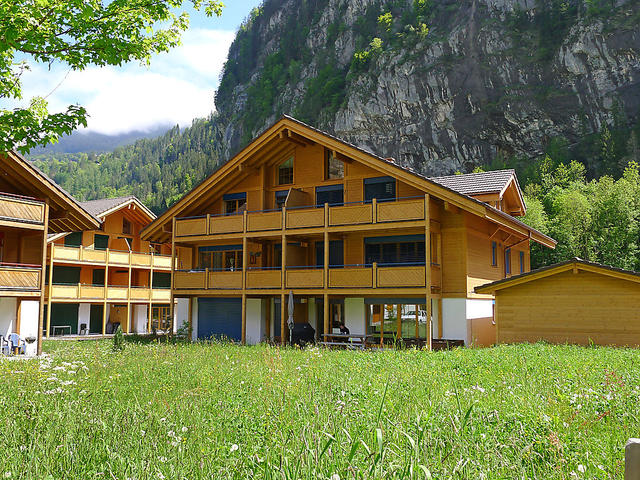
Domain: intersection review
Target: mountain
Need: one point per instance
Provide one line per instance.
(440, 85)
(97, 142)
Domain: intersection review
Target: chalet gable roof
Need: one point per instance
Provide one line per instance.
(495, 181)
(105, 206)
(576, 264)
(280, 136)
(65, 213)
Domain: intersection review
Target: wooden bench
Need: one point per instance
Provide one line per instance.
(342, 340)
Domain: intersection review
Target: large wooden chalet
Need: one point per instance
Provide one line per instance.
(31, 207)
(101, 278)
(357, 238)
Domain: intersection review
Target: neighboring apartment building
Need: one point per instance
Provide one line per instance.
(106, 276)
(31, 206)
(356, 238)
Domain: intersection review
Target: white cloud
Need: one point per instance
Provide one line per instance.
(178, 87)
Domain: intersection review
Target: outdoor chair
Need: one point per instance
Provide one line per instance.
(16, 342)
(83, 329)
(5, 349)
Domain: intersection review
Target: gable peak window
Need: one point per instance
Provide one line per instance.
(494, 254)
(507, 261)
(127, 229)
(285, 172)
(334, 168)
(235, 203)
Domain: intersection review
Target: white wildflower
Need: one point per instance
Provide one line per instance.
(185, 429)
(582, 468)
(234, 447)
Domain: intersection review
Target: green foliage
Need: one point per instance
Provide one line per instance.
(385, 21)
(118, 340)
(163, 410)
(158, 171)
(324, 93)
(76, 33)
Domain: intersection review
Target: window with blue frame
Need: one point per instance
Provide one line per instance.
(331, 194)
(235, 203)
(507, 261)
(336, 253)
(381, 188)
(494, 254)
(521, 262)
(281, 198)
(397, 249)
(220, 257)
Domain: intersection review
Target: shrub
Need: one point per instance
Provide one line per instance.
(118, 340)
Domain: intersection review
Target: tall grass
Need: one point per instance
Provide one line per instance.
(221, 411)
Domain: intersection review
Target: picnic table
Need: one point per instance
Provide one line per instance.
(345, 340)
(60, 328)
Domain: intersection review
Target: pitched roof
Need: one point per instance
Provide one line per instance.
(65, 213)
(476, 183)
(575, 263)
(288, 122)
(99, 207)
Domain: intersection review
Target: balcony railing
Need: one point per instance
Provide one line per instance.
(313, 216)
(17, 208)
(114, 257)
(401, 275)
(20, 277)
(110, 293)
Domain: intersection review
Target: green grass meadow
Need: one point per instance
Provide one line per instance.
(188, 411)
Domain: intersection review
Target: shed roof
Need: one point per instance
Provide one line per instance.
(99, 208)
(574, 264)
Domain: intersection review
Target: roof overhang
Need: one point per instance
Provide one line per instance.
(287, 133)
(575, 265)
(65, 213)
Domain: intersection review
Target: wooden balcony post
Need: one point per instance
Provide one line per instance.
(326, 249)
(105, 293)
(149, 319)
(206, 278)
(173, 268)
(244, 283)
(374, 209)
(129, 297)
(42, 283)
(427, 269)
(284, 249)
(417, 321)
(326, 313)
(50, 291)
(399, 325)
(208, 223)
(374, 271)
(283, 320)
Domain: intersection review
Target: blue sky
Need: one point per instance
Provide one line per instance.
(178, 86)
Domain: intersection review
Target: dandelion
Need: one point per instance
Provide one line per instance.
(185, 429)
(234, 447)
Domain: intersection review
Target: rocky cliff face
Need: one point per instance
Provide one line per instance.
(490, 77)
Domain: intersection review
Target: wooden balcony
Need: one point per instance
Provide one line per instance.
(20, 278)
(402, 210)
(15, 208)
(225, 280)
(264, 279)
(351, 277)
(304, 278)
(114, 257)
(117, 293)
(400, 277)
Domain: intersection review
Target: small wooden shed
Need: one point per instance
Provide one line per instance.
(575, 301)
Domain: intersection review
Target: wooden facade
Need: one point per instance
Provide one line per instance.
(110, 267)
(366, 230)
(31, 207)
(573, 302)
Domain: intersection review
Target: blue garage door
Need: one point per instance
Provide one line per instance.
(220, 317)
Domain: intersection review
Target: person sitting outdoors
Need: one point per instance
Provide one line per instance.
(344, 330)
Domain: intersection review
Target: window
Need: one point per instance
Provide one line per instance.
(235, 203)
(331, 194)
(281, 198)
(98, 277)
(126, 227)
(336, 253)
(521, 262)
(100, 242)
(73, 239)
(334, 168)
(285, 172)
(380, 188)
(220, 257)
(494, 254)
(507, 261)
(400, 249)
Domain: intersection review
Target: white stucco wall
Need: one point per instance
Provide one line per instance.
(434, 318)
(479, 308)
(194, 318)
(454, 319)
(84, 314)
(29, 312)
(181, 313)
(256, 325)
(140, 318)
(311, 312)
(354, 315)
(7, 315)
